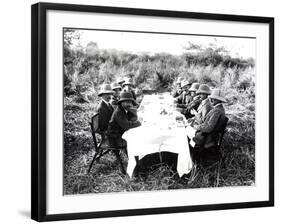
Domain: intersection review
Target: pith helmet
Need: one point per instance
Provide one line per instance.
(179, 80)
(204, 88)
(105, 89)
(218, 95)
(194, 87)
(120, 80)
(128, 81)
(115, 85)
(126, 96)
(185, 83)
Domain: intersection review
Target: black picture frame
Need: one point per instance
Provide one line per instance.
(39, 114)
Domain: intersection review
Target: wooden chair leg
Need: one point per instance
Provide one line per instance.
(93, 160)
(96, 156)
(120, 161)
(103, 153)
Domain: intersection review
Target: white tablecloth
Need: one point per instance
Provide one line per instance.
(162, 129)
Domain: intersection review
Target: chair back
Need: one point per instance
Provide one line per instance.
(95, 122)
(222, 131)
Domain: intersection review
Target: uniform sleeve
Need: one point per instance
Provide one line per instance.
(125, 124)
(194, 104)
(210, 123)
(198, 117)
(205, 110)
(180, 101)
(133, 114)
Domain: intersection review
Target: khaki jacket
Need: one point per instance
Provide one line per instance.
(183, 100)
(212, 125)
(194, 103)
(202, 111)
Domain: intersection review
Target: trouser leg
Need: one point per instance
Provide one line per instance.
(116, 152)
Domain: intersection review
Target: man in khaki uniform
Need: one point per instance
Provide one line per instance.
(128, 87)
(122, 120)
(120, 81)
(182, 100)
(193, 101)
(104, 109)
(178, 89)
(116, 95)
(205, 106)
(207, 133)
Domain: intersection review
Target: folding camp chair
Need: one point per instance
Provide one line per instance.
(101, 151)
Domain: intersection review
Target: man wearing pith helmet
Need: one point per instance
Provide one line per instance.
(122, 120)
(178, 90)
(116, 95)
(185, 98)
(205, 106)
(120, 81)
(186, 85)
(193, 100)
(128, 87)
(214, 122)
(105, 109)
(182, 99)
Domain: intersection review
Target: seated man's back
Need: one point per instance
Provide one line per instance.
(105, 112)
(122, 119)
(105, 109)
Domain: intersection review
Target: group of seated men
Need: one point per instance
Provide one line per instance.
(205, 113)
(117, 110)
(202, 107)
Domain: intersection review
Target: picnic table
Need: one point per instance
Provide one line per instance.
(163, 129)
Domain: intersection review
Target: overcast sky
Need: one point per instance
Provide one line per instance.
(156, 43)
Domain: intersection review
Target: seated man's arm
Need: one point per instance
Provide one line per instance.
(180, 101)
(133, 114)
(125, 123)
(210, 124)
(205, 110)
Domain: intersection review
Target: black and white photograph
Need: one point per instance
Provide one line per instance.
(150, 111)
(138, 111)
(141, 111)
